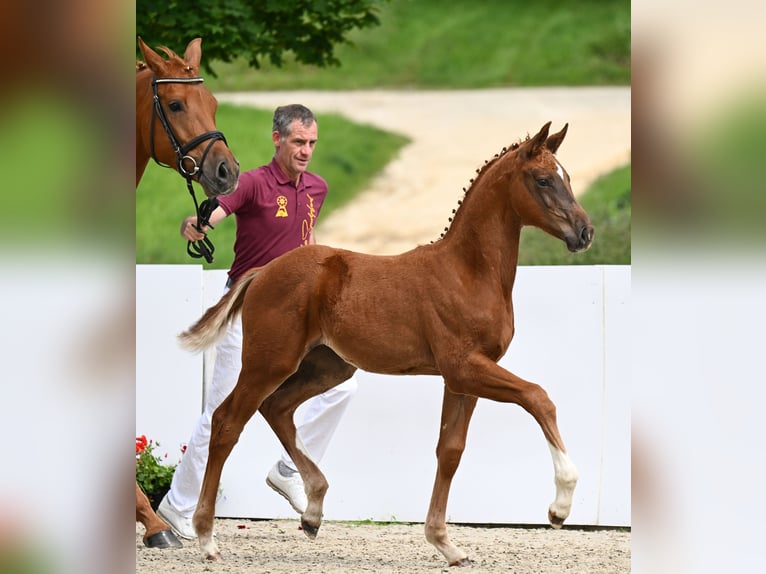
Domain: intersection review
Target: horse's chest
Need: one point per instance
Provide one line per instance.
(494, 333)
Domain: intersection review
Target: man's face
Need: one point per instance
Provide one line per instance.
(294, 153)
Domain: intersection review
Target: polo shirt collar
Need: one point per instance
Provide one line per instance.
(280, 176)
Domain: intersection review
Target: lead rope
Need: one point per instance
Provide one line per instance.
(202, 247)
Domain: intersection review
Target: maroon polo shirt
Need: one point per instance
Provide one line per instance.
(273, 215)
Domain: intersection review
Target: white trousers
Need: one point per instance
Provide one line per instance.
(319, 422)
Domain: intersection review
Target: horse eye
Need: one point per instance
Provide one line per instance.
(542, 182)
(175, 106)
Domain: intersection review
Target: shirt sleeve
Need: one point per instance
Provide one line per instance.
(241, 196)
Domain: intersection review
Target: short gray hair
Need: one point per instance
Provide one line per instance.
(284, 116)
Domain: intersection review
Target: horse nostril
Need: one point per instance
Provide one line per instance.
(586, 234)
(223, 170)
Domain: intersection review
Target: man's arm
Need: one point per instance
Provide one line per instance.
(188, 231)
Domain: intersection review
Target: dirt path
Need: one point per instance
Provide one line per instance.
(453, 133)
(278, 547)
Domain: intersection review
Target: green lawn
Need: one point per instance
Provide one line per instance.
(464, 44)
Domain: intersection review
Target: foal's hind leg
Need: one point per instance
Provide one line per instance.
(456, 414)
(226, 426)
(320, 370)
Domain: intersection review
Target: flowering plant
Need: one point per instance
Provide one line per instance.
(151, 474)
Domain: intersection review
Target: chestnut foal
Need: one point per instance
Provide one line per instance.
(314, 315)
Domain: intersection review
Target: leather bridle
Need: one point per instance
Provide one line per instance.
(203, 248)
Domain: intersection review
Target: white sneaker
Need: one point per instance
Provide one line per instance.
(180, 524)
(291, 487)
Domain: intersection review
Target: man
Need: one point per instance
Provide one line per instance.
(276, 207)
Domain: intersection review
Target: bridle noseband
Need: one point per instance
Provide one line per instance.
(203, 248)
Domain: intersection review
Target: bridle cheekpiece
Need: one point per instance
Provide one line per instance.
(203, 248)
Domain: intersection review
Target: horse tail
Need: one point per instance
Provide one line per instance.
(212, 325)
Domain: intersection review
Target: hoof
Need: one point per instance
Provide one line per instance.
(162, 539)
(555, 521)
(214, 557)
(310, 530)
(463, 563)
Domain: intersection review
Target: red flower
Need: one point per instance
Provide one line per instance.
(183, 449)
(141, 443)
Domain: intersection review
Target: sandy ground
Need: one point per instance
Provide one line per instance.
(279, 547)
(452, 133)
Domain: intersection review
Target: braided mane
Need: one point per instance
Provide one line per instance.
(479, 172)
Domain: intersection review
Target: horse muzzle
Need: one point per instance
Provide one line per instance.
(222, 180)
(581, 240)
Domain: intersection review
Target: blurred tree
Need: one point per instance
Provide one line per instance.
(254, 29)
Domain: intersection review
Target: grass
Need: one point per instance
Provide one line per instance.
(607, 201)
(491, 43)
(348, 155)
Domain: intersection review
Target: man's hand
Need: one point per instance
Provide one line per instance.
(189, 232)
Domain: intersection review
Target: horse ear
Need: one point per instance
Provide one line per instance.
(533, 146)
(193, 54)
(155, 62)
(142, 46)
(554, 141)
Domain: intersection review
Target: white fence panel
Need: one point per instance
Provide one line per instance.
(571, 337)
(168, 381)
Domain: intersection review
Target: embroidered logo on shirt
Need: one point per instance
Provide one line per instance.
(307, 226)
(282, 209)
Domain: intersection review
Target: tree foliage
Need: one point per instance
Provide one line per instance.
(255, 29)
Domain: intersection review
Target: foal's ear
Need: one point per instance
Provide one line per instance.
(533, 146)
(553, 142)
(155, 62)
(193, 53)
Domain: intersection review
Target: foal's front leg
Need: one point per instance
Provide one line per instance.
(456, 414)
(484, 378)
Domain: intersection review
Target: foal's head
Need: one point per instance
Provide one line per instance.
(543, 197)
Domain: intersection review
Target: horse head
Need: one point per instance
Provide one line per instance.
(175, 120)
(546, 199)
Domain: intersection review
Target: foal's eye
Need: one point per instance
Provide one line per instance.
(543, 182)
(175, 106)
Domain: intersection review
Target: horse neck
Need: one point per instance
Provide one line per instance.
(485, 231)
(143, 116)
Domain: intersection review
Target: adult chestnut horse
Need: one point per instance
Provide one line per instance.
(314, 315)
(175, 121)
(175, 116)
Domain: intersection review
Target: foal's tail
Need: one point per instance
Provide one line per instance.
(211, 326)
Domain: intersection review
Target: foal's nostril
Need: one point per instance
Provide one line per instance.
(586, 234)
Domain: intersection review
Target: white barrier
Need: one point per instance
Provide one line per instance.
(572, 337)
